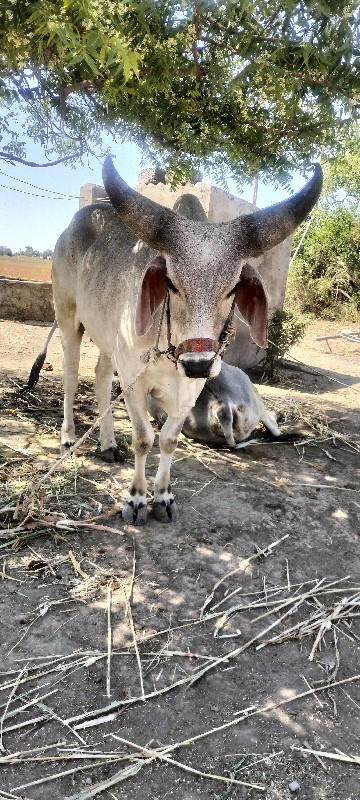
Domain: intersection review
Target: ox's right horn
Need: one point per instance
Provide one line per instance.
(255, 233)
(153, 223)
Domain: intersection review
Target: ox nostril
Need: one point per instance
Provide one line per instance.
(197, 369)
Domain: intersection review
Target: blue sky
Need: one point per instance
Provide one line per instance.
(26, 219)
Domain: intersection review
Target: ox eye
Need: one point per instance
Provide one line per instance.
(171, 286)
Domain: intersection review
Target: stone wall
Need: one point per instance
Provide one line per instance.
(26, 300)
(91, 193)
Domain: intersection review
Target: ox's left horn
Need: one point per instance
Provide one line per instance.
(255, 233)
(153, 223)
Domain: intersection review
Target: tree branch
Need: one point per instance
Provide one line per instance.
(95, 103)
(305, 78)
(11, 158)
(194, 48)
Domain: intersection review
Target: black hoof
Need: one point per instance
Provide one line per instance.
(165, 512)
(112, 454)
(65, 447)
(133, 514)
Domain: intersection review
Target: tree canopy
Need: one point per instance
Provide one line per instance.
(342, 174)
(242, 87)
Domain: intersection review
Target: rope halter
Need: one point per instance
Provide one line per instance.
(217, 346)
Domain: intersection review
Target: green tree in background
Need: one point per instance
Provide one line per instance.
(244, 87)
(325, 275)
(5, 251)
(342, 174)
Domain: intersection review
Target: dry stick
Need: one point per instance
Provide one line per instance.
(108, 713)
(280, 637)
(128, 613)
(127, 772)
(11, 695)
(43, 718)
(310, 625)
(101, 716)
(35, 486)
(109, 641)
(289, 600)
(26, 724)
(267, 550)
(111, 712)
(252, 711)
(273, 589)
(154, 754)
(30, 703)
(77, 566)
(333, 756)
(259, 760)
(325, 486)
(69, 524)
(194, 454)
(325, 626)
(63, 774)
(244, 715)
(4, 795)
(239, 650)
(349, 698)
(321, 762)
(314, 690)
(62, 721)
(79, 658)
(20, 753)
(39, 616)
(294, 602)
(61, 756)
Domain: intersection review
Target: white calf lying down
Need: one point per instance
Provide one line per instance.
(227, 410)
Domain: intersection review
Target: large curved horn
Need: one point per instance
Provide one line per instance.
(153, 223)
(255, 233)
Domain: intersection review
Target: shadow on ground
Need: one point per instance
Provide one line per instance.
(266, 547)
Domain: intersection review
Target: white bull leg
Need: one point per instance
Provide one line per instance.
(164, 507)
(135, 506)
(71, 340)
(104, 372)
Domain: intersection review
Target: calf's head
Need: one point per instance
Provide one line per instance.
(204, 267)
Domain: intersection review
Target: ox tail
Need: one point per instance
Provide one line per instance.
(38, 363)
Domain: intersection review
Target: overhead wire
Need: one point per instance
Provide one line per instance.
(59, 195)
(33, 194)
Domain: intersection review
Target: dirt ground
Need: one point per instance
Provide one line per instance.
(31, 269)
(226, 645)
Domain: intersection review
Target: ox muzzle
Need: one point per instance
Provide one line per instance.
(197, 369)
(197, 358)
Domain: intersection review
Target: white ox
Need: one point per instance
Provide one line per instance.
(115, 267)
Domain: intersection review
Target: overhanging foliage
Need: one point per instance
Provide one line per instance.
(242, 86)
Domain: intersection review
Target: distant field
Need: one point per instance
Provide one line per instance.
(34, 269)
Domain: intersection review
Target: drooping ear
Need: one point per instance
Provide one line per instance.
(152, 291)
(252, 303)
